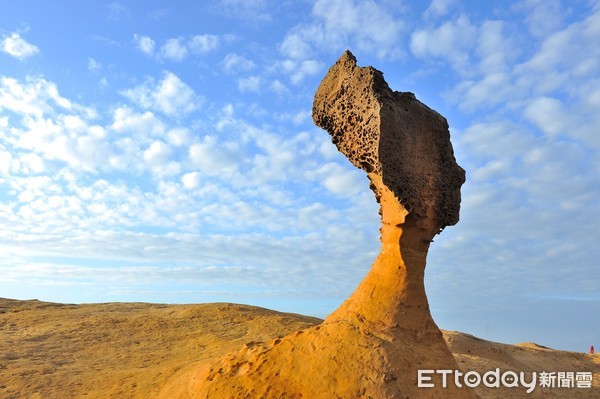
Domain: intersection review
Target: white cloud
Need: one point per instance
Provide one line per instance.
(482, 55)
(438, 8)
(297, 118)
(491, 170)
(170, 95)
(157, 154)
(543, 16)
(81, 149)
(6, 161)
(564, 69)
(278, 87)
(126, 120)
(365, 23)
(342, 181)
(298, 43)
(491, 90)
(218, 183)
(191, 180)
(228, 110)
(340, 24)
(218, 186)
(51, 127)
(214, 157)
(132, 133)
(201, 44)
(252, 11)
(328, 150)
(31, 163)
(234, 62)
(500, 139)
(174, 50)
(554, 86)
(251, 83)
(452, 41)
(35, 97)
(528, 179)
(18, 47)
(179, 137)
(177, 49)
(103, 83)
(549, 115)
(298, 70)
(159, 14)
(93, 65)
(306, 68)
(561, 63)
(571, 50)
(117, 11)
(145, 44)
(496, 50)
(278, 159)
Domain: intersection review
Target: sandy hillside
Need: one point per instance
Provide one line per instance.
(133, 350)
(120, 350)
(473, 353)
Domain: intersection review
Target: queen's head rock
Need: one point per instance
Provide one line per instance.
(373, 345)
(394, 136)
(404, 146)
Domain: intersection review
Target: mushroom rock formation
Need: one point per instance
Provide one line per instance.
(375, 343)
(405, 148)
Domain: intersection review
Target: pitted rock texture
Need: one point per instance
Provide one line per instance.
(393, 135)
(373, 345)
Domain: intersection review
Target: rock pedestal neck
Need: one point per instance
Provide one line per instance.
(405, 148)
(373, 345)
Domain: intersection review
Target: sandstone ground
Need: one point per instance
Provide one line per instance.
(135, 350)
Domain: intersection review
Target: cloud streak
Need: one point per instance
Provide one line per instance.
(170, 95)
(14, 45)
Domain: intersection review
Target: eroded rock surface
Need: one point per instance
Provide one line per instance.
(374, 344)
(393, 135)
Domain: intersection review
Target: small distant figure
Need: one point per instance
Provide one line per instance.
(592, 350)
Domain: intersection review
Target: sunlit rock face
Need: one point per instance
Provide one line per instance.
(393, 135)
(373, 345)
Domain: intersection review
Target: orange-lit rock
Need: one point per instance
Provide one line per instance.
(374, 344)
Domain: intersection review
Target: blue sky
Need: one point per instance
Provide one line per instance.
(164, 152)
